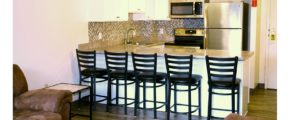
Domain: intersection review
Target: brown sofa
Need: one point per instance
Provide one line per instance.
(40, 104)
(233, 116)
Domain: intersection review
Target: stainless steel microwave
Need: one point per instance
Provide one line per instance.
(186, 8)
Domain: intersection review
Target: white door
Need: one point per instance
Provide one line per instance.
(271, 46)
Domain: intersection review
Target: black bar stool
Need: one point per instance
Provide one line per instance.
(117, 64)
(222, 75)
(145, 68)
(179, 73)
(88, 69)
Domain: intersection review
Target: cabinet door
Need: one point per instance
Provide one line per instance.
(161, 10)
(150, 9)
(117, 10)
(137, 6)
(156, 10)
(108, 10)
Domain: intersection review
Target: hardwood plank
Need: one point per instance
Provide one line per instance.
(263, 104)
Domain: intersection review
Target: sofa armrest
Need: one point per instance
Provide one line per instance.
(233, 116)
(49, 100)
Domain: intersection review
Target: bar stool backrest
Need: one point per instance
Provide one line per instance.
(145, 63)
(222, 69)
(116, 61)
(179, 67)
(86, 60)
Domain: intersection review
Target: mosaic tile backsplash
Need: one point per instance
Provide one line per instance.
(115, 32)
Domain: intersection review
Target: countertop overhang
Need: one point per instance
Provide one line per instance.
(161, 49)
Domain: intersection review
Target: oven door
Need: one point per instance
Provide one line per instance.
(181, 9)
(196, 41)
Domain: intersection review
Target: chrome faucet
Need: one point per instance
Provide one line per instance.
(127, 40)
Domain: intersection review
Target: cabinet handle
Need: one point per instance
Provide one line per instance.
(117, 17)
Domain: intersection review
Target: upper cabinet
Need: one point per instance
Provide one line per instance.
(117, 10)
(136, 6)
(108, 10)
(161, 10)
(150, 10)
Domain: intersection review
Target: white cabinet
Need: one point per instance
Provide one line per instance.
(117, 10)
(153, 10)
(136, 6)
(149, 7)
(108, 10)
(161, 10)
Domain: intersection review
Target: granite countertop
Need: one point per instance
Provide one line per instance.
(161, 49)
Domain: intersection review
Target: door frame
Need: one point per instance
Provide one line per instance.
(265, 43)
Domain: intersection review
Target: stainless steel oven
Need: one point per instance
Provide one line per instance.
(189, 37)
(186, 8)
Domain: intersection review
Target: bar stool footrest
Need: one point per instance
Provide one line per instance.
(159, 85)
(220, 109)
(130, 103)
(192, 106)
(184, 90)
(150, 101)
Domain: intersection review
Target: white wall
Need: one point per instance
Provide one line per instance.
(46, 34)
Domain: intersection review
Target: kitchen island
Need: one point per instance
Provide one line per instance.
(199, 67)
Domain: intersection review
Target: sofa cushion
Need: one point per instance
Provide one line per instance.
(49, 100)
(35, 115)
(233, 116)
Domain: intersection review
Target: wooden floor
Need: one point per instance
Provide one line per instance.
(263, 106)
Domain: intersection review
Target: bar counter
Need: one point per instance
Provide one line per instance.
(244, 71)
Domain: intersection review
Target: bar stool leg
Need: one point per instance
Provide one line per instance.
(189, 102)
(175, 98)
(209, 103)
(238, 99)
(117, 91)
(144, 95)
(233, 100)
(154, 90)
(94, 92)
(199, 99)
(94, 88)
(125, 95)
(166, 92)
(168, 99)
(136, 97)
(108, 94)
(80, 94)
(91, 103)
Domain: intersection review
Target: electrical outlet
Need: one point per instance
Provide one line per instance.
(161, 31)
(100, 36)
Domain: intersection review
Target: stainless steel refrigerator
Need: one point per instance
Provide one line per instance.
(226, 26)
